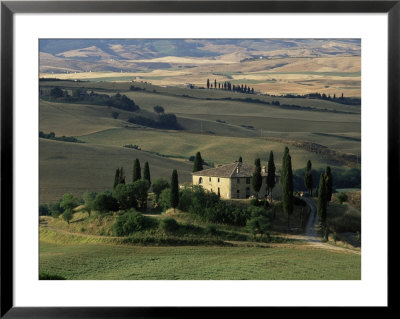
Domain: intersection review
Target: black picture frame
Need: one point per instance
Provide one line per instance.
(9, 8)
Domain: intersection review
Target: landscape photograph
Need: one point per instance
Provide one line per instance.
(199, 159)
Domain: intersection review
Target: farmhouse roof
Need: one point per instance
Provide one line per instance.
(236, 169)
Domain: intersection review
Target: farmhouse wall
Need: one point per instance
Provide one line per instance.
(214, 184)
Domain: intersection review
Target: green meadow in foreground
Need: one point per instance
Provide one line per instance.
(114, 262)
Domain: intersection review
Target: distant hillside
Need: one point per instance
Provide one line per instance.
(60, 55)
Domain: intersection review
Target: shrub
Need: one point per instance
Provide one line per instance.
(69, 201)
(342, 197)
(44, 210)
(55, 209)
(89, 198)
(131, 222)
(115, 115)
(125, 195)
(165, 199)
(105, 202)
(211, 230)
(67, 215)
(159, 185)
(169, 225)
(259, 222)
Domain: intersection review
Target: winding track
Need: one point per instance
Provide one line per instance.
(310, 234)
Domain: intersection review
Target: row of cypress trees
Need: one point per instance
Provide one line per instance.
(136, 176)
(120, 176)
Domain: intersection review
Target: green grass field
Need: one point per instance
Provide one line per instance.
(116, 262)
(187, 144)
(76, 168)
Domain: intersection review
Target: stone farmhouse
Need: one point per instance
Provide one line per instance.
(234, 181)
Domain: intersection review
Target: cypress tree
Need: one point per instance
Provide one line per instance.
(308, 180)
(240, 159)
(287, 184)
(322, 203)
(256, 180)
(198, 163)
(136, 171)
(271, 174)
(328, 183)
(174, 189)
(116, 178)
(146, 173)
(208, 83)
(215, 83)
(119, 177)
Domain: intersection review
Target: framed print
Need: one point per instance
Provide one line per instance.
(196, 154)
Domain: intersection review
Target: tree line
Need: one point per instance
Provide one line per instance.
(82, 96)
(227, 86)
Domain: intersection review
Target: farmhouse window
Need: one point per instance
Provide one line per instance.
(209, 179)
(200, 180)
(247, 180)
(238, 194)
(238, 180)
(218, 179)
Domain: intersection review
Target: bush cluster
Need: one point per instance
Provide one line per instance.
(164, 121)
(207, 206)
(131, 222)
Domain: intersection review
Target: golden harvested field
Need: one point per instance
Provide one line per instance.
(329, 75)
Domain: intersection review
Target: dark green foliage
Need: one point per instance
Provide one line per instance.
(185, 198)
(131, 222)
(159, 185)
(271, 173)
(259, 221)
(146, 173)
(341, 178)
(67, 215)
(47, 276)
(256, 180)
(125, 196)
(158, 109)
(119, 177)
(240, 159)
(328, 183)
(55, 209)
(198, 163)
(117, 101)
(169, 225)
(308, 178)
(115, 115)
(69, 201)
(165, 121)
(105, 202)
(89, 198)
(164, 199)
(210, 208)
(140, 189)
(174, 189)
(56, 92)
(287, 184)
(44, 210)
(211, 230)
(136, 171)
(259, 203)
(342, 197)
(134, 146)
(52, 136)
(322, 201)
